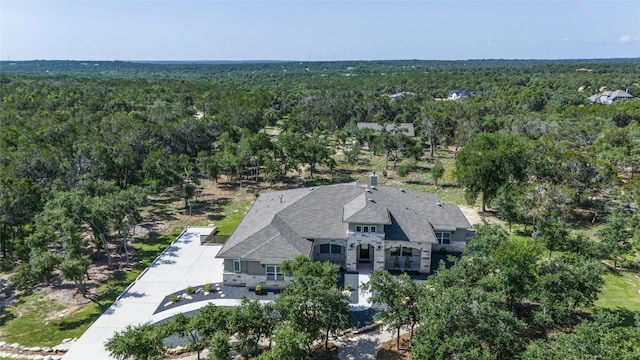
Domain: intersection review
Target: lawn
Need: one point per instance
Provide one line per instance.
(230, 216)
(621, 291)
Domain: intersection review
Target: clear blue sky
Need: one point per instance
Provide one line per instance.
(317, 30)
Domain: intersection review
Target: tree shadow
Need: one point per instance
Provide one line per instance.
(628, 317)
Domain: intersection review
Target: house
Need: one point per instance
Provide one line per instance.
(458, 94)
(608, 97)
(356, 226)
(400, 95)
(403, 128)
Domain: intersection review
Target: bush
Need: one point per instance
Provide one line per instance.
(208, 287)
(173, 298)
(189, 289)
(443, 251)
(405, 167)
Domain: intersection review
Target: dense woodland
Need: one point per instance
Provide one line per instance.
(82, 145)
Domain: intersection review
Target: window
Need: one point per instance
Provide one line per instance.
(365, 229)
(325, 248)
(443, 237)
(406, 251)
(237, 266)
(274, 273)
(336, 249)
(330, 249)
(401, 251)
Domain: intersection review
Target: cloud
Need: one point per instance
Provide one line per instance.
(625, 38)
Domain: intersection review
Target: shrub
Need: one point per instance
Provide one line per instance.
(443, 251)
(208, 287)
(189, 289)
(405, 167)
(173, 298)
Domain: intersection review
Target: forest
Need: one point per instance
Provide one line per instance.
(83, 145)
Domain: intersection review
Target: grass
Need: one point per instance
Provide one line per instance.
(228, 219)
(621, 291)
(32, 320)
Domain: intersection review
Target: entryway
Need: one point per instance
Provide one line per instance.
(365, 257)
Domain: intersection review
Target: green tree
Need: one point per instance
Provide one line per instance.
(75, 270)
(437, 171)
(554, 234)
(399, 296)
(490, 162)
(312, 304)
(616, 235)
(604, 337)
(142, 342)
(219, 348)
(563, 285)
(465, 322)
(290, 344)
(250, 322)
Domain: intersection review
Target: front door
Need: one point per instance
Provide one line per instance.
(365, 254)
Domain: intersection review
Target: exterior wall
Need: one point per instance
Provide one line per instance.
(458, 242)
(338, 259)
(253, 273)
(459, 235)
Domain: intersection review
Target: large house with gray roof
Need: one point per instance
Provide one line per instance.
(609, 97)
(353, 225)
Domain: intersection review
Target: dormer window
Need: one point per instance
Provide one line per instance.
(366, 229)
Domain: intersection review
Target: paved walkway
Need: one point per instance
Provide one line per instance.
(184, 263)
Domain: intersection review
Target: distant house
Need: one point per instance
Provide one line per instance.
(356, 226)
(458, 94)
(403, 128)
(400, 95)
(608, 97)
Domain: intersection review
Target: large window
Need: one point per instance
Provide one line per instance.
(443, 237)
(274, 273)
(237, 267)
(330, 249)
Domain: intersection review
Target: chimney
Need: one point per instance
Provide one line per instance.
(373, 179)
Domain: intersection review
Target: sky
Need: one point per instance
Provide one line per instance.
(317, 30)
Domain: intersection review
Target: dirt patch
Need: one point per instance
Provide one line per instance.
(387, 351)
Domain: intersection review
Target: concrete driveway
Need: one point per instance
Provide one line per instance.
(184, 263)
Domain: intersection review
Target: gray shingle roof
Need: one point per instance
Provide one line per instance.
(365, 209)
(281, 225)
(404, 128)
